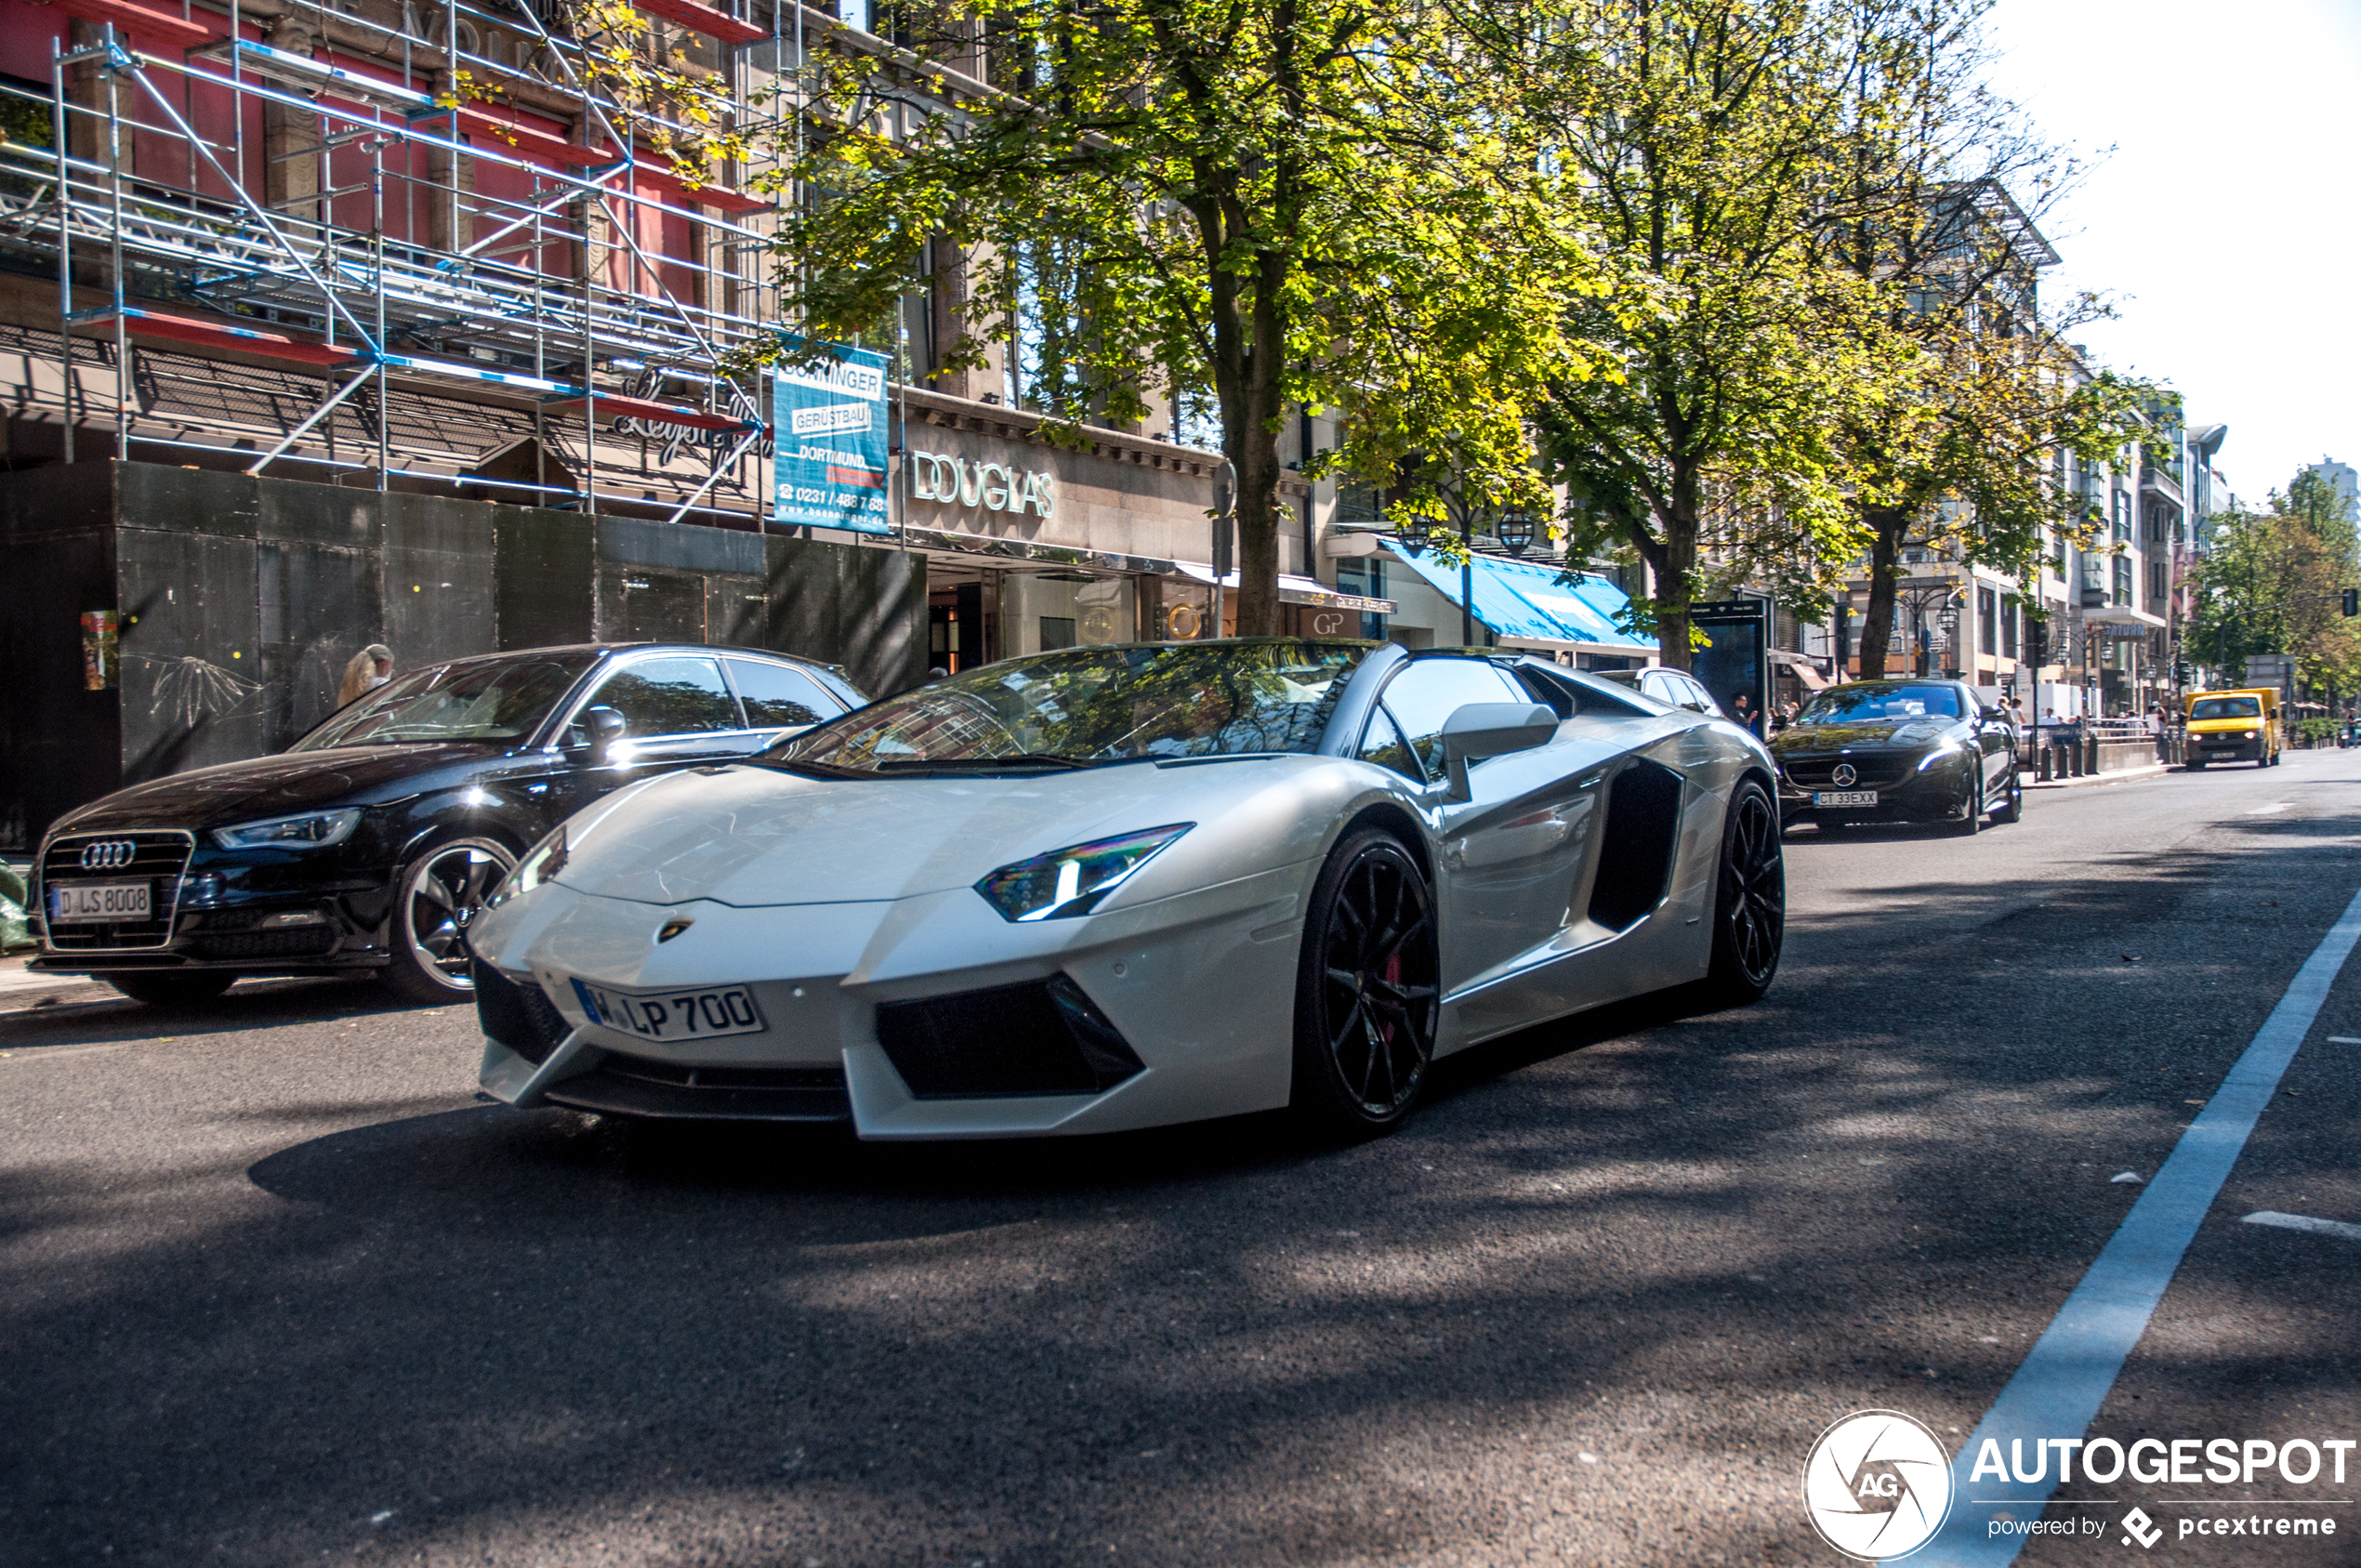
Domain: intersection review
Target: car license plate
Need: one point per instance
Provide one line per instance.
(672, 1015)
(86, 902)
(1844, 797)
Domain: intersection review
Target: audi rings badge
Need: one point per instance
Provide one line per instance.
(108, 854)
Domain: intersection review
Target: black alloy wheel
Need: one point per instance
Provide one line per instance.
(2012, 808)
(168, 989)
(1971, 819)
(1750, 900)
(1367, 989)
(437, 893)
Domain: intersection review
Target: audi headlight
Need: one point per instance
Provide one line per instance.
(306, 830)
(541, 863)
(1073, 881)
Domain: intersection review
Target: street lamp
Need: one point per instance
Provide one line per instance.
(1515, 531)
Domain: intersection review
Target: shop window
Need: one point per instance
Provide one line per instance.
(1057, 631)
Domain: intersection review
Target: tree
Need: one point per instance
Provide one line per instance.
(2271, 583)
(1699, 142)
(1959, 450)
(2311, 497)
(1279, 202)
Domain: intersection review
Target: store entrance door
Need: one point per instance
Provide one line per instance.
(957, 635)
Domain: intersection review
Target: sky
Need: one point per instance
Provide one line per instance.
(2225, 224)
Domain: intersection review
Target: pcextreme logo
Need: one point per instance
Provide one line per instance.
(1878, 1486)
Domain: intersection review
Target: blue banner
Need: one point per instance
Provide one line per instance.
(829, 431)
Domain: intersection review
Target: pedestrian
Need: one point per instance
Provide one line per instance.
(365, 671)
(1742, 710)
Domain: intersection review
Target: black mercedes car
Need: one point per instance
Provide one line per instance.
(1885, 751)
(369, 843)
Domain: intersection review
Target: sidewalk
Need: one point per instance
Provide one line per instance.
(2124, 775)
(21, 990)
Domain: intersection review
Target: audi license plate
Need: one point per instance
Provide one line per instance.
(1844, 797)
(672, 1015)
(88, 903)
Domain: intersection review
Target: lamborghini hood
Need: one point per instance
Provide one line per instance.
(750, 837)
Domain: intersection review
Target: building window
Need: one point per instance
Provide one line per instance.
(2009, 628)
(2157, 585)
(2123, 580)
(1987, 620)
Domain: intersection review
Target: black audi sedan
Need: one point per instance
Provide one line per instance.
(369, 843)
(1886, 751)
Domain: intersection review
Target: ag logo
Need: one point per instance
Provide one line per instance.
(1878, 1486)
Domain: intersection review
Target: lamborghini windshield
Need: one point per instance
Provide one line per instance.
(480, 700)
(1083, 706)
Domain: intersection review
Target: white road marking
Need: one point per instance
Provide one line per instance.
(2345, 1040)
(2336, 1228)
(2061, 1384)
(2265, 811)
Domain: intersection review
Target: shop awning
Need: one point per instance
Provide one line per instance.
(1525, 601)
(1297, 591)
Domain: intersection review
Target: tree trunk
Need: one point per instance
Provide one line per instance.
(1676, 569)
(1876, 625)
(1251, 442)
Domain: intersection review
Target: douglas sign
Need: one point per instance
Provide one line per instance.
(966, 481)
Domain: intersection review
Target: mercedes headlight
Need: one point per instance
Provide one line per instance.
(541, 863)
(1948, 748)
(1072, 881)
(306, 830)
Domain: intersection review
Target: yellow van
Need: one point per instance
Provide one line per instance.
(2241, 726)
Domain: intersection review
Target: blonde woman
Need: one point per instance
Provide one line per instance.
(371, 667)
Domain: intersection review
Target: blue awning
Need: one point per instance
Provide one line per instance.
(1526, 601)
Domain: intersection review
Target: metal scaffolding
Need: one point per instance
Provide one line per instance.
(623, 351)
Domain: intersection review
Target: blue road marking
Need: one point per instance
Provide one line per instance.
(2057, 1392)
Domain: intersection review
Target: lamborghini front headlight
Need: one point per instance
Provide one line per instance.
(1073, 881)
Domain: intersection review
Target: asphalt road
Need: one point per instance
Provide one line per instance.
(278, 1288)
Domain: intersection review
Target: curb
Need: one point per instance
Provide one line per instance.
(2088, 780)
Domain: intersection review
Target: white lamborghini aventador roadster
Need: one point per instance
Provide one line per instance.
(1110, 887)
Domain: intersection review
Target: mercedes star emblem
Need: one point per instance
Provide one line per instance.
(1843, 776)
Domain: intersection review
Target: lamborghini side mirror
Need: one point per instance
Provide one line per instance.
(1476, 730)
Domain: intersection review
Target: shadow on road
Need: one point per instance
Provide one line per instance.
(1210, 1343)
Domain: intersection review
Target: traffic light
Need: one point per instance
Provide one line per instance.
(2036, 643)
(2353, 601)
